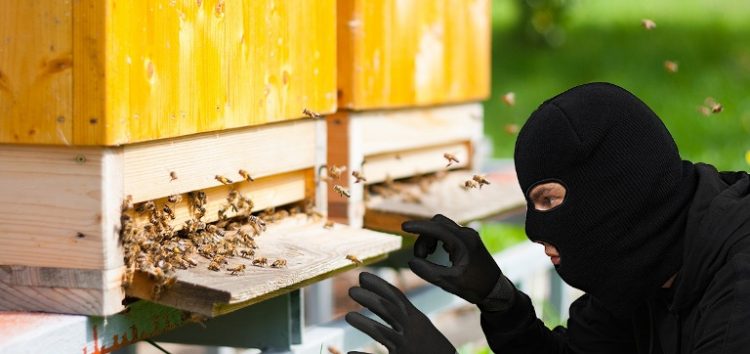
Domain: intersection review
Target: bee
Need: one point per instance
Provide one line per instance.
(168, 211)
(511, 129)
(358, 175)
(215, 266)
(480, 179)
(336, 171)
(260, 262)
(150, 206)
(354, 259)
(310, 113)
(247, 253)
(713, 105)
(127, 203)
(328, 224)
(174, 198)
(223, 179)
(240, 268)
(233, 226)
(333, 350)
(256, 221)
(246, 176)
(470, 184)
(172, 176)
(451, 159)
(671, 66)
(279, 263)
(648, 24)
(509, 99)
(342, 191)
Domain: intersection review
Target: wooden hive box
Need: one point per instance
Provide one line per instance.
(106, 72)
(410, 76)
(101, 101)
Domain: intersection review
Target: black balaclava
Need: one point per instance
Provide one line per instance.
(619, 229)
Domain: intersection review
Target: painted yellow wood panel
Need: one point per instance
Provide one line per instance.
(412, 53)
(36, 82)
(152, 69)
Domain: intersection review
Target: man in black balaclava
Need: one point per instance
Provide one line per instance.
(660, 246)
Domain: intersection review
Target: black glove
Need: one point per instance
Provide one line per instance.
(412, 331)
(473, 275)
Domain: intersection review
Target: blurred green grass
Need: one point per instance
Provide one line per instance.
(605, 42)
(499, 236)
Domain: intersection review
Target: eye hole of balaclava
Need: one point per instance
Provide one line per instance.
(546, 195)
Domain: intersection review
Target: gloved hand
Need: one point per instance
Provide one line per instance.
(411, 332)
(473, 274)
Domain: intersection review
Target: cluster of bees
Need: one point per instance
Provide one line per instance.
(152, 245)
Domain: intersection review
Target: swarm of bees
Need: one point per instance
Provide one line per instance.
(152, 245)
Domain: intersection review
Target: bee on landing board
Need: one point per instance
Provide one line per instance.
(260, 262)
(470, 184)
(481, 180)
(354, 259)
(246, 175)
(236, 270)
(279, 263)
(310, 113)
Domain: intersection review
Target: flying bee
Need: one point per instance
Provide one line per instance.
(127, 202)
(671, 66)
(168, 211)
(509, 99)
(328, 224)
(174, 198)
(223, 179)
(310, 113)
(470, 184)
(246, 176)
(236, 270)
(480, 179)
(648, 24)
(333, 350)
(451, 159)
(336, 171)
(511, 129)
(260, 262)
(354, 259)
(713, 105)
(172, 176)
(359, 177)
(342, 191)
(279, 263)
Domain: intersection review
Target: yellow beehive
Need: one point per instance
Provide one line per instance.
(107, 72)
(412, 53)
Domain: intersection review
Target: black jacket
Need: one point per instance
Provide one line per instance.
(707, 310)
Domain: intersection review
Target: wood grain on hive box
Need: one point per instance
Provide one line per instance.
(101, 72)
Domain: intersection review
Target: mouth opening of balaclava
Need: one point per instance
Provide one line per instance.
(620, 229)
